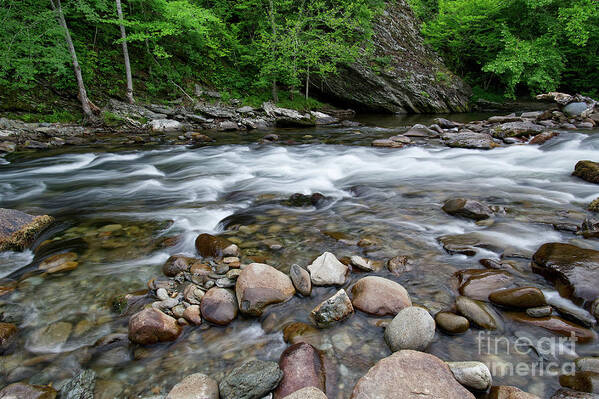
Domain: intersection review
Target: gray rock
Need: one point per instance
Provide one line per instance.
(575, 109)
(80, 387)
(162, 294)
(475, 375)
(388, 143)
(540, 311)
(245, 110)
(252, 380)
(335, 309)
(468, 139)
(412, 328)
(166, 125)
(301, 280)
(467, 208)
(327, 270)
(517, 129)
(195, 386)
(419, 130)
(361, 263)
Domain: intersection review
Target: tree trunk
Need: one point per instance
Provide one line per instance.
(119, 11)
(275, 94)
(307, 81)
(86, 104)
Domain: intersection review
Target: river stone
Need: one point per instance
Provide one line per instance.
(509, 392)
(208, 245)
(594, 205)
(18, 229)
(452, 323)
(446, 123)
(307, 393)
(361, 263)
(575, 109)
(409, 374)
(556, 325)
(195, 386)
(590, 228)
(574, 270)
(419, 130)
(541, 311)
(477, 284)
(379, 296)
(302, 367)
(565, 393)
(475, 375)
(301, 280)
(543, 137)
(399, 265)
(521, 297)
(151, 326)
(587, 170)
(8, 332)
(467, 208)
(583, 381)
(260, 285)
(477, 312)
(21, 390)
(517, 129)
(335, 309)
(193, 314)
(587, 364)
(80, 387)
(177, 264)
(219, 306)
(387, 143)
(49, 339)
(252, 380)
(412, 328)
(327, 270)
(468, 139)
(296, 332)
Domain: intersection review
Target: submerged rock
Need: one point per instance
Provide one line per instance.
(327, 270)
(587, 170)
(260, 285)
(151, 326)
(379, 296)
(59, 263)
(335, 309)
(467, 208)
(574, 270)
(409, 374)
(509, 392)
(477, 284)
(452, 323)
(556, 325)
(302, 367)
(412, 328)
(477, 312)
(252, 380)
(522, 297)
(8, 332)
(541, 311)
(195, 386)
(177, 264)
(21, 390)
(18, 229)
(208, 245)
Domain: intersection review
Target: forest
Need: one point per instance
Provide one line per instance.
(268, 49)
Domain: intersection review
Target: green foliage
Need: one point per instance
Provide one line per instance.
(174, 44)
(511, 45)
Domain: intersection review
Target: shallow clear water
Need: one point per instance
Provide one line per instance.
(391, 196)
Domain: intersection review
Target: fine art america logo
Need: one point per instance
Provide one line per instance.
(540, 356)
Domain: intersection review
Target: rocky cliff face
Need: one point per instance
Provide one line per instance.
(403, 75)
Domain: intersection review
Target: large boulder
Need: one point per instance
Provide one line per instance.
(409, 374)
(18, 229)
(219, 306)
(574, 270)
(587, 170)
(302, 367)
(151, 326)
(260, 285)
(252, 380)
(195, 386)
(517, 129)
(166, 125)
(413, 80)
(327, 270)
(379, 296)
(412, 328)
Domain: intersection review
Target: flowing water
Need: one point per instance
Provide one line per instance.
(392, 197)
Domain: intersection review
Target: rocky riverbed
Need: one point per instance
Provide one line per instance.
(251, 267)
